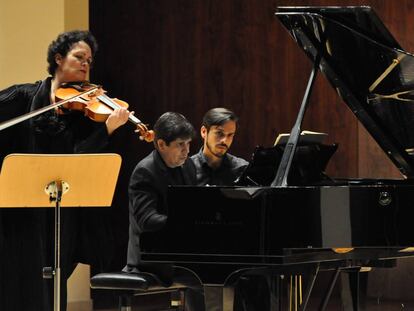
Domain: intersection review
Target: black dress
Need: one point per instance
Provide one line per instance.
(27, 235)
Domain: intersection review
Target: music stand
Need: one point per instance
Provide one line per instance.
(40, 180)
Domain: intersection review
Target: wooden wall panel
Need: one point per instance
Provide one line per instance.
(189, 56)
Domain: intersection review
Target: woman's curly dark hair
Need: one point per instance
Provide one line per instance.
(64, 43)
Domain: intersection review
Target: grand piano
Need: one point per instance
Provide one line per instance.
(286, 226)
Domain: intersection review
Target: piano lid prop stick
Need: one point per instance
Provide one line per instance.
(292, 295)
(387, 71)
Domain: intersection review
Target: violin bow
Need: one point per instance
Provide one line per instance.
(31, 114)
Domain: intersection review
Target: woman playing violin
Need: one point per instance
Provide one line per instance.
(74, 65)
(69, 57)
(26, 236)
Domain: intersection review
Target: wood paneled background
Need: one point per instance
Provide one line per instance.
(192, 55)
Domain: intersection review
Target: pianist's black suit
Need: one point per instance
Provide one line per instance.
(147, 212)
(147, 199)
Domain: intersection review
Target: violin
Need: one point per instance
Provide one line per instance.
(96, 105)
(89, 98)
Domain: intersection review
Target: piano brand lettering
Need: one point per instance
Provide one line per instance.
(218, 220)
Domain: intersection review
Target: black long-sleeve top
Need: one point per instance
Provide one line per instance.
(230, 168)
(49, 132)
(26, 235)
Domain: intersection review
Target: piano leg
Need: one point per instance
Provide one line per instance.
(214, 297)
(194, 295)
(258, 291)
(242, 289)
(329, 290)
(353, 283)
(276, 285)
(250, 292)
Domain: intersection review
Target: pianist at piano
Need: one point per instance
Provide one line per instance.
(26, 235)
(167, 164)
(215, 166)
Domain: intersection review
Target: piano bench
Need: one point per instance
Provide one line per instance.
(127, 285)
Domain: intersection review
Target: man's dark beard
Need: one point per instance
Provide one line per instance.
(215, 154)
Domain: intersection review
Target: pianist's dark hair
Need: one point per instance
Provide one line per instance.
(172, 125)
(64, 43)
(218, 116)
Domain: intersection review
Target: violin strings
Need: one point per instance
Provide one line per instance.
(108, 101)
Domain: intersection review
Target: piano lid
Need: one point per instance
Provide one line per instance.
(368, 69)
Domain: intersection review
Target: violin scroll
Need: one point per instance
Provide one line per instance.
(144, 133)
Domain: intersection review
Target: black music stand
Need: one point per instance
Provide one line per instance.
(41, 180)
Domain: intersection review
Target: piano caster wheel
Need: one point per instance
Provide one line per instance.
(385, 198)
(48, 273)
